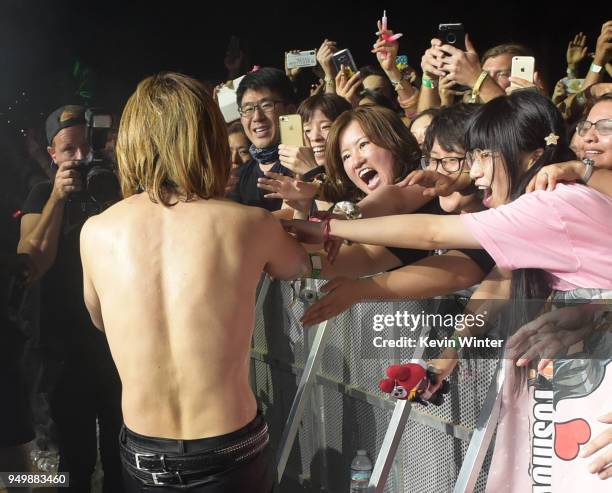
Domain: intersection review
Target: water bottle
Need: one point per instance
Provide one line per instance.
(361, 470)
(45, 460)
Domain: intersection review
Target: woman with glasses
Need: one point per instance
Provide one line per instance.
(593, 143)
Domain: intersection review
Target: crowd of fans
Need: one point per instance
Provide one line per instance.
(409, 185)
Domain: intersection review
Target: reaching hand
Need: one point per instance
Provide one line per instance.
(386, 51)
(348, 88)
(431, 62)
(342, 294)
(324, 57)
(559, 93)
(447, 91)
(518, 83)
(436, 184)
(548, 177)
(286, 187)
(603, 441)
(603, 51)
(549, 335)
(462, 66)
(304, 231)
(576, 50)
(298, 159)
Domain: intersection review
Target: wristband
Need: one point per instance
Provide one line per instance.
(588, 171)
(428, 83)
(476, 89)
(595, 68)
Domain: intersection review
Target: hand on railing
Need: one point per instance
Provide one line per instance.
(342, 293)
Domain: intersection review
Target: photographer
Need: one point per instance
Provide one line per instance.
(84, 380)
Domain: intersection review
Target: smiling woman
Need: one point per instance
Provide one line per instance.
(367, 148)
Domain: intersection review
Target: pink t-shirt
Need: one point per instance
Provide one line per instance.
(566, 232)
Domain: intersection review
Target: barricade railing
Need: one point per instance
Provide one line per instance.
(313, 385)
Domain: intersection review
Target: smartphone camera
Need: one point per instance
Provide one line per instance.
(452, 34)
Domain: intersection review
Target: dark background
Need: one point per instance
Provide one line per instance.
(122, 42)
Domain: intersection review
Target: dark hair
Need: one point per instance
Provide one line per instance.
(513, 126)
(368, 70)
(331, 105)
(378, 98)
(267, 78)
(449, 126)
(385, 129)
(235, 127)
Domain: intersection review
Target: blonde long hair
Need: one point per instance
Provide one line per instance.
(172, 141)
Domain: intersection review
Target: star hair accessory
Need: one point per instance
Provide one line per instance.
(552, 139)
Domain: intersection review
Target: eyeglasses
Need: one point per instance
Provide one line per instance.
(603, 127)
(478, 155)
(448, 164)
(267, 106)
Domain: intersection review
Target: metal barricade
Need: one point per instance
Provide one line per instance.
(321, 400)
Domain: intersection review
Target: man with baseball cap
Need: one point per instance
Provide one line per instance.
(87, 388)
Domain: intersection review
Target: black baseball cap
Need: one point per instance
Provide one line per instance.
(64, 117)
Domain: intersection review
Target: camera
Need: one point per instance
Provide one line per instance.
(97, 172)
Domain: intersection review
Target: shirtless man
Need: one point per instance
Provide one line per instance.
(170, 275)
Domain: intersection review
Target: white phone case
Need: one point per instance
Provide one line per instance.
(523, 67)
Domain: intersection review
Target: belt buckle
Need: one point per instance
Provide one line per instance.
(168, 475)
(137, 456)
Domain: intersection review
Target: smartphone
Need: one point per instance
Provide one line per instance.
(291, 130)
(344, 57)
(301, 59)
(452, 34)
(523, 67)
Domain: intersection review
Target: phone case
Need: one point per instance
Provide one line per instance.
(291, 130)
(523, 67)
(344, 57)
(452, 34)
(301, 59)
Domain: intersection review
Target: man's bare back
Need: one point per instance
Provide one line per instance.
(174, 290)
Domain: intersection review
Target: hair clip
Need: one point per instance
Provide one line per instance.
(551, 139)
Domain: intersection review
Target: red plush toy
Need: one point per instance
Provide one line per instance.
(414, 382)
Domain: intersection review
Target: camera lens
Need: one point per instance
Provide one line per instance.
(451, 38)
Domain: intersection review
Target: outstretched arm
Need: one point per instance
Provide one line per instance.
(420, 231)
(436, 275)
